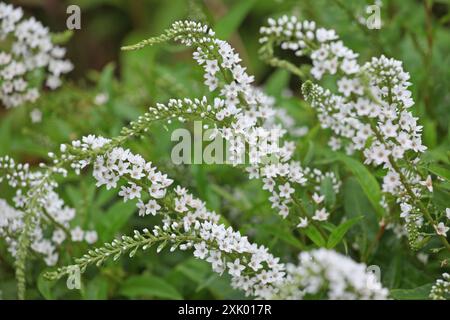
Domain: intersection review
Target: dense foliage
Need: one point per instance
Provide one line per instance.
(337, 177)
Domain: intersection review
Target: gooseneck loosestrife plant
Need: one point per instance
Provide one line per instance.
(28, 56)
(369, 118)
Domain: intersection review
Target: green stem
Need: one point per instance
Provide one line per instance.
(408, 189)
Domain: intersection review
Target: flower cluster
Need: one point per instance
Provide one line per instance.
(243, 115)
(26, 48)
(186, 222)
(251, 267)
(370, 114)
(37, 204)
(326, 272)
(327, 52)
(441, 289)
(380, 126)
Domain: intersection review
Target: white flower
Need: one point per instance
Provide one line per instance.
(269, 184)
(389, 129)
(318, 199)
(303, 223)
(286, 190)
(151, 207)
(58, 236)
(211, 67)
(321, 215)
(235, 268)
(30, 49)
(36, 115)
(200, 250)
(447, 212)
(284, 210)
(345, 86)
(77, 234)
(215, 258)
(380, 154)
(101, 98)
(406, 209)
(428, 183)
(441, 229)
(253, 172)
(90, 236)
(391, 181)
(156, 191)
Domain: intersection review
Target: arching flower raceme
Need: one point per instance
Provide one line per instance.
(328, 54)
(189, 225)
(37, 206)
(369, 114)
(186, 221)
(244, 116)
(326, 272)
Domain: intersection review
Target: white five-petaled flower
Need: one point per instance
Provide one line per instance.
(90, 236)
(58, 236)
(36, 115)
(321, 215)
(151, 207)
(428, 183)
(303, 223)
(441, 229)
(235, 268)
(269, 184)
(77, 234)
(200, 250)
(286, 190)
(317, 198)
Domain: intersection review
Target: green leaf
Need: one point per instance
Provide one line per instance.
(242, 203)
(419, 293)
(367, 181)
(232, 20)
(106, 78)
(314, 235)
(62, 37)
(199, 272)
(338, 234)
(96, 289)
(326, 188)
(149, 286)
(357, 204)
(430, 133)
(277, 82)
(440, 171)
(194, 269)
(282, 234)
(45, 286)
(5, 136)
(114, 219)
(310, 153)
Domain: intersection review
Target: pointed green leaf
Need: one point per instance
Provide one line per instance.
(314, 235)
(339, 232)
(148, 286)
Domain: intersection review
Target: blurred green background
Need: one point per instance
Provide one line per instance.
(416, 32)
